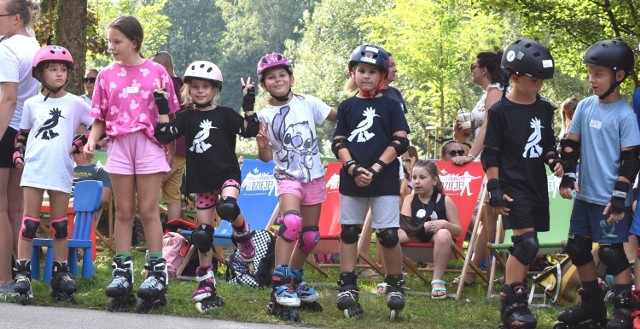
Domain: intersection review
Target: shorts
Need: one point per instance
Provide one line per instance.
(523, 216)
(313, 192)
(135, 154)
(587, 220)
(172, 181)
(384, 210)
(7, 148)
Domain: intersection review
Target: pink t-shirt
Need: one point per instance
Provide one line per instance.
(123, 97)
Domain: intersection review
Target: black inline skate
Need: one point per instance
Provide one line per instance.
(622, 310)
(348, 295)
(23, 280)
(514, 309)
(285, 303)
(120, 289)
(62, 284)
(308, 296)
(152, 291)
(591, 313)
(205, 295)
(395, 295)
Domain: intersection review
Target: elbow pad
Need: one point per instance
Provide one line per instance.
(400, 144)
(490, 158)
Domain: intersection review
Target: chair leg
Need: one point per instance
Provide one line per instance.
(87, 264)
(72, 260)
(36, 254)
(48, 266)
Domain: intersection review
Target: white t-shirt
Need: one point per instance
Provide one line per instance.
(16, 56)
(52, 124)
(293, 137)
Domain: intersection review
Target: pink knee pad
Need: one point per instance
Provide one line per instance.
(231, 183)
(29, 227)
(290, 225)
(59, 227)
(308, 239)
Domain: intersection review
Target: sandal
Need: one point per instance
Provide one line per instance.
(438, 290)
(457, 280)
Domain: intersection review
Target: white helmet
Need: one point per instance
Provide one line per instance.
(203, 70)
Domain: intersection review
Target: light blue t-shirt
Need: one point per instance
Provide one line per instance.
(604, 130)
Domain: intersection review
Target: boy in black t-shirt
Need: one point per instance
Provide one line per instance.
(371, 132)
(519, 142)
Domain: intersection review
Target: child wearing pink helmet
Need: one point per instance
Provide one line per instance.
(42, 148)
(213, 172)
(288, 137)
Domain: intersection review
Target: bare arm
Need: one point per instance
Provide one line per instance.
(333, 115)
(493, 96)
(8, 102)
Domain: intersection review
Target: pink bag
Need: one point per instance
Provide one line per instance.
(174, 250)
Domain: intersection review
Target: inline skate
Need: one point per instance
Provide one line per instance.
(348, 295)
(591, 313)
(23, 280)
(246, 247)
(308, 296)
(285, 303)
(120, 288)
(395, 294)
(152, 291)
(62, 284)
(205, 295)
(514, 308)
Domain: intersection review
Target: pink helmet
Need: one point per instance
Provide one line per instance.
(51, 54)
(272, 61)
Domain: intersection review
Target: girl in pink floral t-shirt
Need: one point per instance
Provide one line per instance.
(131, 96)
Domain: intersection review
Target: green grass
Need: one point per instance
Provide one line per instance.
(246, 304)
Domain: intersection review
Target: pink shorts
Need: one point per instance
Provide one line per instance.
(135, 154)
(310, 193)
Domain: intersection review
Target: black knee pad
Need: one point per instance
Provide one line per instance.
(614, 257)
(579, 250)
(350, 233)
(29, 227)
(388, 237)
(59, 227)
(525, 247)
(227, 208)
(202, 237)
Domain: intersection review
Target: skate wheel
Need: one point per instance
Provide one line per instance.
(199, 307)
(112, 305)
(312, 307)
(392, 315)
(270, 309)
(143, 307)
(560, 325)
(347, 314)
(294, 314)
(24, 299)
(72, 299)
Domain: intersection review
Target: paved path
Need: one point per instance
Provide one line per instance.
(16, 316)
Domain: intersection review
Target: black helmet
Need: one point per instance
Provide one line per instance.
(613, 54)
(528, 57)
(370, 54)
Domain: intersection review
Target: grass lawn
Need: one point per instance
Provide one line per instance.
(246, 304)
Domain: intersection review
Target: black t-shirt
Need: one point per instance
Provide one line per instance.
(210, 147)
(397, 95)
(369, 125)
(439, 209)
(522, 134)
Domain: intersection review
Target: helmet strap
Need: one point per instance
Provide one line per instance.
(203, 105)
(613, 87)
(51, 90)
(281, 98)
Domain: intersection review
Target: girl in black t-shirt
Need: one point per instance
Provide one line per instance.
(213, 172)
(429, 216)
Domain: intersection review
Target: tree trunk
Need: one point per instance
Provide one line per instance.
(71, 34)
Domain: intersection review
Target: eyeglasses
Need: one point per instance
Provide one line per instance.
(92, 80)
(455, 152)
(473, 66)
(3, 15)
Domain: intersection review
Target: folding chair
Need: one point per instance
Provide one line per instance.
(463, 184)
(329, 224)
(550, 242)
(257, 201)
(85, 204)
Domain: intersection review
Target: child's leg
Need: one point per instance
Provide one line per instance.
(59, 202)
(289, 228)
(125, 199)
(227, 208)
(31, 220)
(11, 211)
(309, 233)
(204, 240)
(147, 187)
(441, 252)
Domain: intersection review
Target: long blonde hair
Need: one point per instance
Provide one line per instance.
(571, 102)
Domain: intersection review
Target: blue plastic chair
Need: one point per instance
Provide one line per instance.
(86, 203)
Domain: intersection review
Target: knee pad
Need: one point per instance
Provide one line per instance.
(59, 227)
(290, 225)
(613, 256)
(29, 227)
(579, 250)
(230, 183)
(202, 237)
(525, 247)
(350, 233)
(308, 238)
(388, 237)
(227, 208)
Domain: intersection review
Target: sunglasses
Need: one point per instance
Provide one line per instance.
(455, 152)
(92, 80)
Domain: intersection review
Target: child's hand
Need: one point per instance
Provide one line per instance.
(90, 147)
(248, 95)
(18, 157)
(263, 135)
(558, 170)
(434, 225)
(248, 87)
(364, 179)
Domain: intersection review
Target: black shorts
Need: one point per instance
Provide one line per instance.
(524, 216)
(7, 148)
